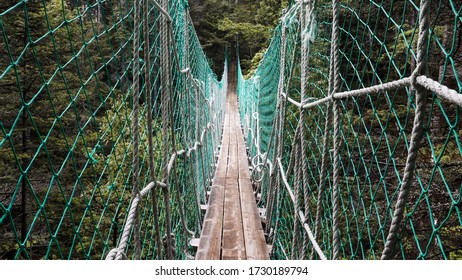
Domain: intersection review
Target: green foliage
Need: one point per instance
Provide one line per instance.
(256, 60)
(243, 24)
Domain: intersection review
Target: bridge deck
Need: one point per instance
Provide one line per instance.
(232, 228)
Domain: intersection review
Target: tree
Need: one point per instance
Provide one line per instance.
(245, 24)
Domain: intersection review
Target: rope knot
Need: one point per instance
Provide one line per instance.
(331, 98)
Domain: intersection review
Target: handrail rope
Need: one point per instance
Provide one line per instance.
(120, 250)
(422, 80)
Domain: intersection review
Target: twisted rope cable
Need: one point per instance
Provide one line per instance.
(303, 77)
(279, 121)
(165, 99)
(307, 14)
(300, 213)
(131, 222)
(297, 188)
(417, 132)
(119, 253)
(136, 137)
(335, 194)
(152, 176)
(325, 153)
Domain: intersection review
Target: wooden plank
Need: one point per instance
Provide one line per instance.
(223, 160)
(227, 117)
(210, 240)
(233, 165)
(243, 165)
(233, 236)
(242, 154)
(254, 237)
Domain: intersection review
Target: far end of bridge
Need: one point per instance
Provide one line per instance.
(232, 228)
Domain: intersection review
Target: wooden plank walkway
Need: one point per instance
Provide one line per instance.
(232, 228)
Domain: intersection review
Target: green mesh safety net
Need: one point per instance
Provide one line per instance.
(332, 118)
(69, 79)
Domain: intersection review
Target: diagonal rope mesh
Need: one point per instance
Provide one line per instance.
(90, 166)
(352, 122)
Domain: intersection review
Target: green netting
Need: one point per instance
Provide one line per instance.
(377, 44)
(66, 140)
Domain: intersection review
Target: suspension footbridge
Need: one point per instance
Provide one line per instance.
(117, 140)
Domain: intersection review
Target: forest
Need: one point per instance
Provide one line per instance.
(243, 24)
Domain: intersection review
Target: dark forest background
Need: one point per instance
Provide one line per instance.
(229, 23)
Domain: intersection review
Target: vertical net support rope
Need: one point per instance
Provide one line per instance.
(417, 129)
(307, 32)
(166, 91)
(149, 101)
(335, 59)
(299, 142)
